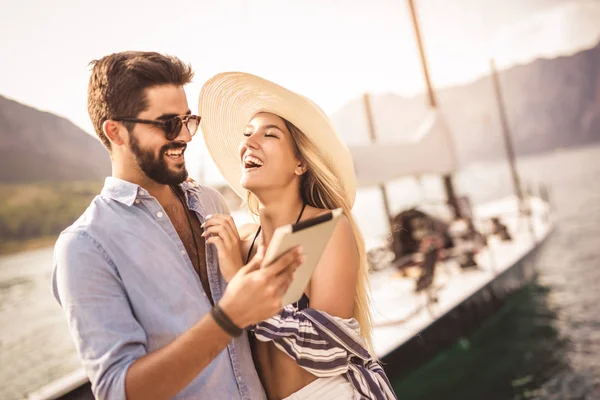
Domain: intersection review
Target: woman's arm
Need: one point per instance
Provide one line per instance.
(333, 283)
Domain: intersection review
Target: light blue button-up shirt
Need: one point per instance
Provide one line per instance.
(128, 288)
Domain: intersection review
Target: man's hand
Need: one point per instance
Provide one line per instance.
(220, 230)
(254, 294)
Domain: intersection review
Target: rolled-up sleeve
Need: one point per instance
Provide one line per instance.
(107, 335)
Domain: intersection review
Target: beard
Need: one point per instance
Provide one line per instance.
(156, 168)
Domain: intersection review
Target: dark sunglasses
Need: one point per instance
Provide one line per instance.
(172, 126)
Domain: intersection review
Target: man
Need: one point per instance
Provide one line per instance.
(146, 305)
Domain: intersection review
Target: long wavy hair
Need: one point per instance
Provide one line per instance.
(321, 188)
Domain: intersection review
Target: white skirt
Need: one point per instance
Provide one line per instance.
(334, 388)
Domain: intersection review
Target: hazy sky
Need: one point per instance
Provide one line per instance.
(329, 50)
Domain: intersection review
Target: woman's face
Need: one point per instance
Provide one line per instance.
(267, 155)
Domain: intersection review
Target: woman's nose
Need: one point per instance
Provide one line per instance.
(251, 142)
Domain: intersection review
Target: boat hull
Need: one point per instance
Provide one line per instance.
(462, 320)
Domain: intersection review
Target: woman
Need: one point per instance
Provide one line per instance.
(278, 150)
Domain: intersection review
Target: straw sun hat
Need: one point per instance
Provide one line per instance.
(228, 102)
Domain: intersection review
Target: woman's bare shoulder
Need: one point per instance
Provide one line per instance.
(311, 212)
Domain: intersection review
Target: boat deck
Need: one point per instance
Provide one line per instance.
(399, 313)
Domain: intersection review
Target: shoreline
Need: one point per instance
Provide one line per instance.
(20, 246)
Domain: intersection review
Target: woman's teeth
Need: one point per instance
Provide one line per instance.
(252, 162)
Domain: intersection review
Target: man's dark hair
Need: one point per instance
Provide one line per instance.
(118, 83)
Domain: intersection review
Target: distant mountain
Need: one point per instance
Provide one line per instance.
(551, 103)
(39, 146)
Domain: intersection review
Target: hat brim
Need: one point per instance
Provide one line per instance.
(229, 100)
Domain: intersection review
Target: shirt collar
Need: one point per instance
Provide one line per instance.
(126, 192)
(121, 191)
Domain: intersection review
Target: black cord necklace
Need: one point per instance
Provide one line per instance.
(187, 215)
(260, 228)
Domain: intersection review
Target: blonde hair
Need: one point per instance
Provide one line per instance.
(321, 188)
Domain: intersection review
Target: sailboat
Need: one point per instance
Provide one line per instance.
(416, 318)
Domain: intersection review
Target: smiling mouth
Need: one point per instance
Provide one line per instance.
(175, 153)
(252, 163)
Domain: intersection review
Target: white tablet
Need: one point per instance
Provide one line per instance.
(313, 235)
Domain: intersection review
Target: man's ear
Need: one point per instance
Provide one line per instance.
(114, 132)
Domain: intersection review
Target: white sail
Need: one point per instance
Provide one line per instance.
(431, 151)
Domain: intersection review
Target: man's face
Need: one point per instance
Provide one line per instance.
(160, 159)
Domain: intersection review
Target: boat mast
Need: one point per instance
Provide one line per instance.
(448, 184)
(506, 135)
(373, 137)
(524, 209)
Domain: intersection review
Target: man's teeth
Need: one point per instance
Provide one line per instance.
(174, 152)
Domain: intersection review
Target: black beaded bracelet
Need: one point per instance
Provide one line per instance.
(225, 322)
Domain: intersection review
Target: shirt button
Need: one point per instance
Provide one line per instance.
(182, 251)
(137, 201)
(159, 214)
